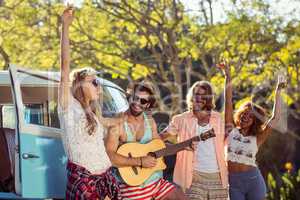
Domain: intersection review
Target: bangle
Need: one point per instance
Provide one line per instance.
(141, 162)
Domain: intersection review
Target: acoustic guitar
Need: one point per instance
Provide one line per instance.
(135, 176)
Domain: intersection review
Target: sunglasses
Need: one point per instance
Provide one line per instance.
(96, 82)
(199, 98)
(140, 100)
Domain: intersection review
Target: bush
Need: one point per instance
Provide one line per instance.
(286, 187)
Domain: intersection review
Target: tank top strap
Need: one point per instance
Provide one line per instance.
(148, 130)
(129, 134)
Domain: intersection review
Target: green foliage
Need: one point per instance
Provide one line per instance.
(160, 41)
(287, 187)
(29, 33)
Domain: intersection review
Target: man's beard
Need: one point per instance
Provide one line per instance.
(134, 113)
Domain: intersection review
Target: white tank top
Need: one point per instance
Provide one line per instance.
(242, 149)
(206, 153)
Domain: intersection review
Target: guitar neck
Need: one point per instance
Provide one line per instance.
(173, 149)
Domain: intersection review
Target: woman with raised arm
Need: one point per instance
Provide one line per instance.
(89, 174)
(247, 129)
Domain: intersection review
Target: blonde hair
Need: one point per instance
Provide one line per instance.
(92, 109)
(208, 91)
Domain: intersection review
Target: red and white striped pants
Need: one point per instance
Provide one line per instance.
(153, 191)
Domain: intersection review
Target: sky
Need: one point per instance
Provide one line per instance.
(285, 8)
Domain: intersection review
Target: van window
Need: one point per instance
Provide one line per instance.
(40, 102)
(109, 106)
(34, 114)
(119, 99)
(114, 102)
(42, 114)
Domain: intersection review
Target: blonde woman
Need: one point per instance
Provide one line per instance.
(89, 174)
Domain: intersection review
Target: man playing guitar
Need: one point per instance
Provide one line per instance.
(141, 128)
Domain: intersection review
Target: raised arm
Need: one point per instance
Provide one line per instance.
(64, 89)
(229, 123)
(281, 84)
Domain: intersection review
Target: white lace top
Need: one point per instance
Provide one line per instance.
(242, 149)
(81, 148)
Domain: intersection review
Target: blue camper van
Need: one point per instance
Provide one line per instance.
(32, 162)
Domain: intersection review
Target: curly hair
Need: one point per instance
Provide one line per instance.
(259, 117)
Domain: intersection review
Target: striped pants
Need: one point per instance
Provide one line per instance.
(207, 186)
(153, 191)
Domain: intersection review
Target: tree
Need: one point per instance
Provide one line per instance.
(160, 41)
(29, 33)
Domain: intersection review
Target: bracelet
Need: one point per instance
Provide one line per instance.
(141, 162)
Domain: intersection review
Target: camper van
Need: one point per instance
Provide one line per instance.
(33, 161)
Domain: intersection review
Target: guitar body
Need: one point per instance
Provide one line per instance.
(135, 176)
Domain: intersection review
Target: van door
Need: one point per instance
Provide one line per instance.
(40, 161)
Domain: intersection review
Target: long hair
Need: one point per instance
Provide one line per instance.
(259, 117)
(205, 85)
(93, 108)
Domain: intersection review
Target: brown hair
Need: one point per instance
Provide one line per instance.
(142, 87)
(259, 117)
(205, 85)
(92, 109)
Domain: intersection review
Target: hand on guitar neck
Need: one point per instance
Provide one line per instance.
(203, 136)
(189, 145)
(152, 153)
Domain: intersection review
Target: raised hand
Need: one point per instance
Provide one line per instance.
(223, 65)
(68, 16)
(69, 3)
(281, 82)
